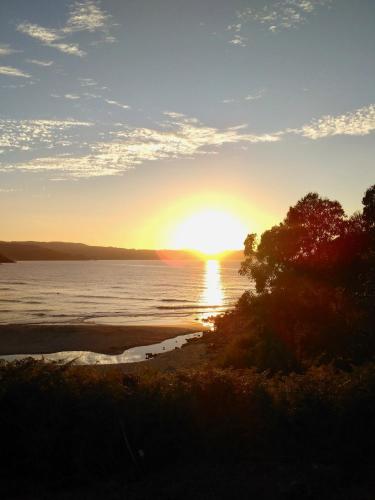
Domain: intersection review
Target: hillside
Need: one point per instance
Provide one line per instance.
(34, 250)
(5, 260)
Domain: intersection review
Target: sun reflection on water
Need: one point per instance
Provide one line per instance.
(212, 294)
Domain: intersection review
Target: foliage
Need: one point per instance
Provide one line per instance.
(314, 276)
(65, 425)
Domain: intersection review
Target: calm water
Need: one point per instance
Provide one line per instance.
(117, 292)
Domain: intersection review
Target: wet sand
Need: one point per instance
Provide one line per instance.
(192, 355)
(196, 354)
(106, 339)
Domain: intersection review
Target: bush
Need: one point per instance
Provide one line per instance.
(66, 425)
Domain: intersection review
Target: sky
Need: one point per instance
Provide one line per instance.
(130, 122)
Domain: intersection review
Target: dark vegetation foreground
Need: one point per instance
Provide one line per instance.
(284, 410)
(68, 432)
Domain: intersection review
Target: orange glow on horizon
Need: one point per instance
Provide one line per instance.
(208, 223)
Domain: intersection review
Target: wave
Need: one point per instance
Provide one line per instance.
(193, 307)
(21, 301)
(62, 315)
(15, 282)
(175, 300)
(95, 297)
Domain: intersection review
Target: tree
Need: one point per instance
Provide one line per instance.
(315, 285)
(305, 239)
(368, 202)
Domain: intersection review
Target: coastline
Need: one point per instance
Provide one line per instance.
(104, 339)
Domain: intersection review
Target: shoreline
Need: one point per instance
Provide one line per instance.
(104, 339)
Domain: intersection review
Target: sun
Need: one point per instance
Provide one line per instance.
(209, 232)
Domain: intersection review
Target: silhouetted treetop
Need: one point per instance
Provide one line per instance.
(304, 238)
(368, 202)
(315, 280)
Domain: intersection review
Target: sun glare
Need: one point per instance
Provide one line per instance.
(209, 232)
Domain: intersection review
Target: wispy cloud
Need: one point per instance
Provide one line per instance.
(9, 190)
(91, 95)
(10, 71)
(359, 122)
(25, 135)
(239, 40)
(50, 38)
(179, 137)
(282, 14)
(87, 16)
(87, 82)
(6, 50)
(234, 27)
(72, 97)
(84, 16)
(44, 35)
(39, 62)
(68, 48)
(118, 104)
(256, 95)
(176, 137)
(250, 97)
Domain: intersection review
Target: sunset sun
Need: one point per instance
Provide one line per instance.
(209, 232)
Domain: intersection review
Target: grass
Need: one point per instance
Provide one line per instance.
(63, 427)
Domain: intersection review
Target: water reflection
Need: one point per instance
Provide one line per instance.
(213, 291)
(133, 355)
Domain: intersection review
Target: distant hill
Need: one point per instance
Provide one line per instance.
(5, 260)
(33, 251)
(55, 250)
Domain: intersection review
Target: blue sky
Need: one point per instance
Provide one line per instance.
(112, 112)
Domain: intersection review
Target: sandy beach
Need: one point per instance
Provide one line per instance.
(192, 355)
(105, 339)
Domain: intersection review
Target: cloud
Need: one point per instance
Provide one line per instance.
(123, 148)
(6, 50)
(256, 96)
(72, 97)
(359, 122)
(87, 82)
(50, 38)
(44, 35)
(238, 40)
(87, 16)
(282, 14)
(9, 190)
(179, 137)
(10, 71)
(118, 104)
(83, 16)
(26, 135)
(250, 97)
(234, 27)
(68, 48)
(39, 63)
(91, 95)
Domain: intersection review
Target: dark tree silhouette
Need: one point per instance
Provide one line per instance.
(368, 202)
(303, 240)
(314, 275)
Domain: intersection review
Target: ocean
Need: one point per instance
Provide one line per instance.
(118, 292)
